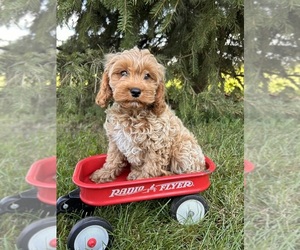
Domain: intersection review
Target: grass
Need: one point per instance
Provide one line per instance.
(147, 224)
(25, 138)
(272, 201)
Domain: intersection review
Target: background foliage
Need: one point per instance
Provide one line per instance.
(198, 41)
(272, 44)
(29, 60)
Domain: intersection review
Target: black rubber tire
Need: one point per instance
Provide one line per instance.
(197, 211)
(33, 229)
(90, 222)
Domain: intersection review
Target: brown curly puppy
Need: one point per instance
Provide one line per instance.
(141, 128)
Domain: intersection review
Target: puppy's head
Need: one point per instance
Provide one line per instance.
(134, 79)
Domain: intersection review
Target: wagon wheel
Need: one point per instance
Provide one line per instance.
(9, 204)
(188, 210)
(40, 234)
(72, 203)
(90, 233)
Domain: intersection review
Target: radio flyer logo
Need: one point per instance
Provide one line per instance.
(153, 188)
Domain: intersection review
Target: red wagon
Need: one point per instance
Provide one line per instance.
(188, 207)
(42, 175)
(41, 198)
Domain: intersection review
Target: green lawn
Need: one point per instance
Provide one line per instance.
(272, 195)
(148, 225)
(26, 136)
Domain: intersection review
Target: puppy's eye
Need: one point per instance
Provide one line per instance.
(147, 76)
(124, 73)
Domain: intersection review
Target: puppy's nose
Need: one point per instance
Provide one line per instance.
(135, 92)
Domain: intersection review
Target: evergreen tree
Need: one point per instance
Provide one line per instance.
(204, 38)
(31, 59)
(28, 64)
(272, 41)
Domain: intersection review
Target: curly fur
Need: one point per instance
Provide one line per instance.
(142, 130)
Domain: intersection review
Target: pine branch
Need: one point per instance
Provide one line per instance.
(125, 18)
(158, 9)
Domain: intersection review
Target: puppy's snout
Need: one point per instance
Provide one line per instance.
(135, 92)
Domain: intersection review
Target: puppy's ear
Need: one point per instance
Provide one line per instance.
(105, 93)
(159, 104)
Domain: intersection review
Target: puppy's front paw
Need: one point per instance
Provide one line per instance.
(132, 176)
(102, 176)
(135, 175)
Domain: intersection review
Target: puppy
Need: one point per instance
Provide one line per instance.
(141, 128)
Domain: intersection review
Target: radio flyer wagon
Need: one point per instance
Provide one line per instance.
(188, 207)
(41, 199)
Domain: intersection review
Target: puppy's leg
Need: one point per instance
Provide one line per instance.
(135, 172)
(153, 166)
(115, 161)
(187, 157)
